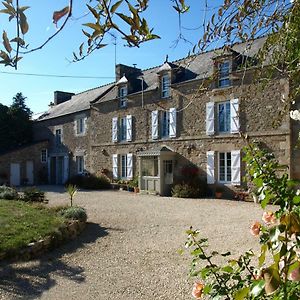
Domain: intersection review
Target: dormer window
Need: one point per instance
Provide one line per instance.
(123, 96)
(165, 86)
(224, 69)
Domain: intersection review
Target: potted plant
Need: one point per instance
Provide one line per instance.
(219, 192)
(134, 184)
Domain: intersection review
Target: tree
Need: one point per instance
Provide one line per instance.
(15, 124)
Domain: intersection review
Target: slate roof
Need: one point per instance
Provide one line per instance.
(191, 68)
(79, 102)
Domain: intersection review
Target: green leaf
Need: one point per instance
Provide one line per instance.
(262, 256)
(6, 42)
(227, 269)
(23, 8)
(115, 6)
(96, 27)
(257, 288)
(241, 294)
(207, 289)
(23, 23)
(126, 19)
(296, 200)
(93, 11)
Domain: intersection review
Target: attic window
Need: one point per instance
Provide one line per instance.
(123, 96)
(165, 86)
(224, 69)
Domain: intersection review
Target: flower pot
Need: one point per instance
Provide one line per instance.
(136, 189)
(219, 195)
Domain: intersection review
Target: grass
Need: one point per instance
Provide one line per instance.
(22, 223)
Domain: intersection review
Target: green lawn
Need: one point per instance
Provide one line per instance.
(22, 223)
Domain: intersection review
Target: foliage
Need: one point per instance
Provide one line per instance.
(15, 124)
(8, 193)
(72, 190)
(33, 194)
(74, 213)
(277, 273)
(22, 223)
(91, 182)
(184, 190)
(134, 182)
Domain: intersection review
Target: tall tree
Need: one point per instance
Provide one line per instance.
(15, 124)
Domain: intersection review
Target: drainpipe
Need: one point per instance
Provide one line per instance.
(142, 92)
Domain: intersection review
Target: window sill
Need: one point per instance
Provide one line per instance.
(221, 89)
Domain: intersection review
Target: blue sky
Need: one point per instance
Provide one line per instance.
(53, 59)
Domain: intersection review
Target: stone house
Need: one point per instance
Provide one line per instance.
(160, 123)
(157, 122)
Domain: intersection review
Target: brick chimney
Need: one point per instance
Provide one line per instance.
(129, 72)
(60, 97)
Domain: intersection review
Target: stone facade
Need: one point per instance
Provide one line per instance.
(189, 107)
(71, 145)
(24, 165)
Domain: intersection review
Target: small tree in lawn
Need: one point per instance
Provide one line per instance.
(72, 190)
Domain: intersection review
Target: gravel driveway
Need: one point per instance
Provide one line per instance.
(129, 249)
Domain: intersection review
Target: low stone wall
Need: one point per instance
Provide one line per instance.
(67, 231)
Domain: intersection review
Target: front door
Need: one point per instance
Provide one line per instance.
(60, 170)
(29, 172)
(15, 174)
(167, 176)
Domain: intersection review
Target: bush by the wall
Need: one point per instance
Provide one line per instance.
(74, 213)
(32, 194)
(8, 193)
(184, 190)
(89, 182)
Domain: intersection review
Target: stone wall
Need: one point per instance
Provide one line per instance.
(21, 156)
(259, 106)
(72, 144)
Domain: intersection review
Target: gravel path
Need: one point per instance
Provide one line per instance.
(129, 249)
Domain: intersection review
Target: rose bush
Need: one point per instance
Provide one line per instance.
(276, 274)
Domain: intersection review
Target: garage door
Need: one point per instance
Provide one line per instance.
(14, 174)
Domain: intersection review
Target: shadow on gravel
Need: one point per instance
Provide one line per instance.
(27, 280)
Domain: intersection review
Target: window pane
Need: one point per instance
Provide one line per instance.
(165, 86)
(224, 117)
(165, 124)
(123, 166)
(228, 166)
(123, 129)
(149, 166)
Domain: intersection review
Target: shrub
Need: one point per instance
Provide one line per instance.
(8, 193)
(89, 182)
(74, 213)
(32, 194)
(184, 190)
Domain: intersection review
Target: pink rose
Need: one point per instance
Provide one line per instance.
(197, 290)
(269, 217)
(255, 228)
(295, 275)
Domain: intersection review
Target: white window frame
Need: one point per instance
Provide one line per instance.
(122, 93)
(228, 126)
(44, 157)
(165, 86)
(222, 77)
(225, 166)
(80, 125)
(80, 164)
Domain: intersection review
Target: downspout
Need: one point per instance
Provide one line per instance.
(142, 92)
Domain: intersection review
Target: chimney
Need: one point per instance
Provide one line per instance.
(60, 97)
(128, 71)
